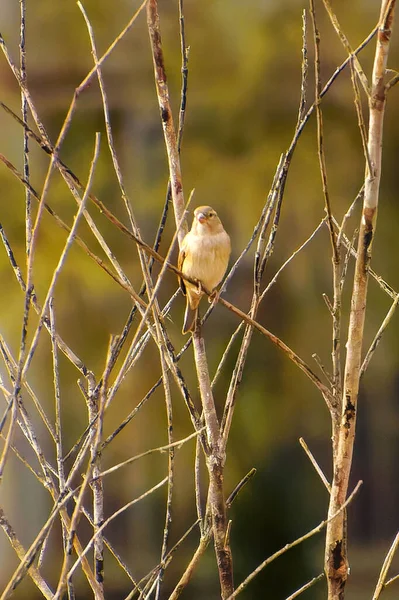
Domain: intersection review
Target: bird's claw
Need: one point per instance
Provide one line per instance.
(214, 297)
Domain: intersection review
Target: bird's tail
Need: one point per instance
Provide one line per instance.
(190, 318)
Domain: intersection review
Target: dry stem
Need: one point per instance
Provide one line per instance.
(336, 561)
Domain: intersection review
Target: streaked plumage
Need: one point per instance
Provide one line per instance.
(204, 256)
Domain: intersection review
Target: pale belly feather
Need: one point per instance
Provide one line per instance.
(210, 255)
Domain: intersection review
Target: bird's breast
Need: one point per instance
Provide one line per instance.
(207, 258)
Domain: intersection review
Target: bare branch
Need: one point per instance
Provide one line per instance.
(166, 116)
(336, 561)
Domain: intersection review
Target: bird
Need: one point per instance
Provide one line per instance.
(204, 257)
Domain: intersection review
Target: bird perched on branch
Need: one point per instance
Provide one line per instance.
(204, 256)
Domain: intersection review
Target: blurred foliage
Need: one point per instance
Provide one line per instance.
(244, 83)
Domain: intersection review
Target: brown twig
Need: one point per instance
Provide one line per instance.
(336, 259)
(166, 116)
(378, 336)
(315, 464)
(347, 46)
(191, 567)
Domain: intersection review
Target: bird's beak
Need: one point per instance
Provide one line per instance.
(201, 217)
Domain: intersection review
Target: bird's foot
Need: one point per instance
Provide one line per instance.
(214, 297)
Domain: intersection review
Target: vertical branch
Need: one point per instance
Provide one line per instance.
(28, 234)
(215, 462)
(336, 562)
(304, 69)
(160, 334)
(58, 428)
(24, 114)
(215, 456)
(197, 476)
(166, 116)
(336, 266)
(171, 464)
(96, 408)
(182, 115)
(93, 405)
(184, 76)
(58, 419)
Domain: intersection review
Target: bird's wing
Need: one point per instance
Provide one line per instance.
(180, 261)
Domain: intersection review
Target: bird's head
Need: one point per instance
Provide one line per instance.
(207, 220)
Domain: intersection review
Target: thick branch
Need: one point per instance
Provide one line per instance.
(215, 461)
(336, 562)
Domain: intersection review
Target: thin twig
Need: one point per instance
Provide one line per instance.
(287, 547)
(378, 336)
(360, 118)
(63, 257)
(359, 71)
(166, 117)
(315, 464)
(385, 568)
(110, 519)
(290, 258)
(336, 258)
(322, 368)
(33, 572)
(304, 68)
(305, 587)
(72, 182)
(392, 580)
(58, 427)
(30, 554)
(175, 445)
(24, 116)
(197, 483)
(239, 487)
(192, 565)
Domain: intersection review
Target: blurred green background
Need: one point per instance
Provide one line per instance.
(244, 83)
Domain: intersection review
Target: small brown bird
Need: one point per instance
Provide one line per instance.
(204, 256)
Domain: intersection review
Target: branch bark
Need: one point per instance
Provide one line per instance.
(336, 561)
(215, 461)
(166, 117)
